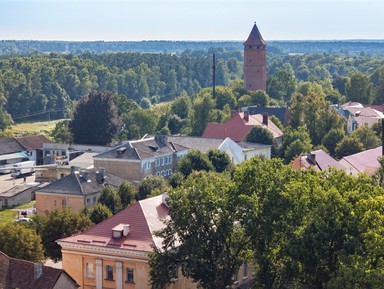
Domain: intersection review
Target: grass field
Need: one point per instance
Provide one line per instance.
(33, 128)
(9, 214)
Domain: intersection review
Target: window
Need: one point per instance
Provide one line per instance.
(236, 278)
(94, 200)
(63, 153)
(63, 203)
(55, 203)
(245, 271)
(89, 270)
(47, 153)
(109, 272)
(88, 201)
(157, 162)
(169, 159)
(169, 172)
(162, 161)
(129, 275)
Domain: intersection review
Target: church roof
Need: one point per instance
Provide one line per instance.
(255, 37)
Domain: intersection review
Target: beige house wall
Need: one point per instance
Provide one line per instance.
(75, 262)
(125, 169)
(45, 202)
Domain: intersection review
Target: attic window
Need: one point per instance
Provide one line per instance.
(154, 148)
(121, 150)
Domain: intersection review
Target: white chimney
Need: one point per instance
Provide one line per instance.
(164, 197)
(125, 230)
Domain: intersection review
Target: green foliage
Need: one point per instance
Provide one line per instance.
(367, 137)
(194, 161)
(295, 142)
(202, 113)
(151, 186)
(225, 96)
(259, 134)
(176, 179)
(127, 193)
(138, 123)
(181, 106)
(99, 213)
(359, 88)
(18, 241)
(60, 224)
(61, 133)
(204, 217)
(220, 160)
(111, 199)
(95, 120)
(332, 138)
(348, 146)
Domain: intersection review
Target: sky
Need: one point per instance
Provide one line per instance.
(199, 20)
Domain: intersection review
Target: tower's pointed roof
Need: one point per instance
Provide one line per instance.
(255, 37)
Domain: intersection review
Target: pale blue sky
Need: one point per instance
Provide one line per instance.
(124, 20)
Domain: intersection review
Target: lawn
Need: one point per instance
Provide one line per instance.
(9, 215)
(33, 128)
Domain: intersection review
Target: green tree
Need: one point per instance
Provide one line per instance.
(359, 88)
(139, 122)
(225, 96)
(202, 114)
(259, 134)
(348, 146)
(111, 199)
(99, 213)
(213, 246)
(181, 106)
(127, 193)
(295, 142)
(18, 241)
(150, 186)
(60, 224)
(176, 179)
(367, 137)
(220, 160)
(194, 161)
(332, 138)
(61, 133)
(95, 120)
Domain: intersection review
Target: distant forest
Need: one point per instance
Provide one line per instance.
(46, 78)
(27, 47)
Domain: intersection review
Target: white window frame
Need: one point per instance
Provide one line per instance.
(131, 271)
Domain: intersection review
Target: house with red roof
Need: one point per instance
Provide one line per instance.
(364, 162)
(239, 126)
(114, 253)
(22, 274)
(319, 160)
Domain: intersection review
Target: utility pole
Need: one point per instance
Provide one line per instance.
(214, 77)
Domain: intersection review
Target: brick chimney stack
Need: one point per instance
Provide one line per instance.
(246, 115)
(265, 119)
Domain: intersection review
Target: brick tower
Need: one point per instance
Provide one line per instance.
(255, 61)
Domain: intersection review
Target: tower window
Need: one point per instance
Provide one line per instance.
(250, 60)
(249, 85)
(250, 46)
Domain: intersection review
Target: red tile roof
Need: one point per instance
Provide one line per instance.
(237, 128)
(143, 217)
(323, 161)
(255, 37)
(33, 142)
(366, 161)
(17, 273)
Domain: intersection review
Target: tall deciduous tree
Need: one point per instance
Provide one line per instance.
(194, 161)
(203, 236)
(261, 135)
(220, 160)
(18, 241)
(95, 120)
(111, 199)
(359, 88)
(60, 224)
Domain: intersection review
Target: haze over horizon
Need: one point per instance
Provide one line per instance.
(195, 20)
